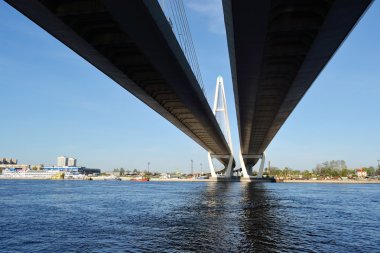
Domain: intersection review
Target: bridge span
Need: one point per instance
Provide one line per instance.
(277, 49)
(133, 43)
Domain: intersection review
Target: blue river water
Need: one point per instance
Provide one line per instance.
(107, 216)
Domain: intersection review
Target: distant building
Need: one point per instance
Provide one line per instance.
(361, 173)
(117, 173)
(37, 166)
(62, 161)
(16, 166)
(48, 172)
(72, 162)
(79, 170)
(8, 161)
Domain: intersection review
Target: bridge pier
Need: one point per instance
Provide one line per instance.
(247, 172)
(228, 169)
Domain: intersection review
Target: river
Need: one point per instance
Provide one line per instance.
(107, 216)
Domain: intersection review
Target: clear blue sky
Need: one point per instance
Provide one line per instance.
(54, 103)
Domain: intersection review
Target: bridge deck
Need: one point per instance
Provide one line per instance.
(132, 43)
(277, 49)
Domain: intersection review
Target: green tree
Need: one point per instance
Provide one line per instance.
(332, 168)
(274, 171)
(286, 171)
(345, 172)
(306, 174)
(370, 171)
(378, 172)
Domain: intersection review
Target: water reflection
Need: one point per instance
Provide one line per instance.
(241, 217)
(231, 217)
(214, 219)
(261, 220)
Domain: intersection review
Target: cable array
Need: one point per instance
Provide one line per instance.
(175, 13)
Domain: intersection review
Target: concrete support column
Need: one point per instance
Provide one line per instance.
(211, 165)
(243, 167)
(228, 169)
(262, 164)
(247, 172)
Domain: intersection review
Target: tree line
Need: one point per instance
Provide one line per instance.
(334, 168)
(132, 172)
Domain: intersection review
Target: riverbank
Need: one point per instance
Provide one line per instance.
(334, 181)
(162, 179)
(102, 178)
(219, 179)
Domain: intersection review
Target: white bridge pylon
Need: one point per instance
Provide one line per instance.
(220, 109)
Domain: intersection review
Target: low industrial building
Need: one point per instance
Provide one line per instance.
(18, 166)
(49, 172)
(79, 170)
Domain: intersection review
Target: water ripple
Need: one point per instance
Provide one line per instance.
(94, 216)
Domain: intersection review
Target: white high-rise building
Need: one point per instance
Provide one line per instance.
(62, 161)
(72, 162)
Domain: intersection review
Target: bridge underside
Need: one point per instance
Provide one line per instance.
(277, 49)
(133, 44)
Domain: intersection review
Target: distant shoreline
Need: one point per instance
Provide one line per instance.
(209, 180)
(334, 181)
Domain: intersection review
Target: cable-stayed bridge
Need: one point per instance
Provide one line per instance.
(277, 49)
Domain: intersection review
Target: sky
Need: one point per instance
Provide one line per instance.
(55, 103)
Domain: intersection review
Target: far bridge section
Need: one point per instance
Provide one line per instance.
(133, 43)
(277, 49)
